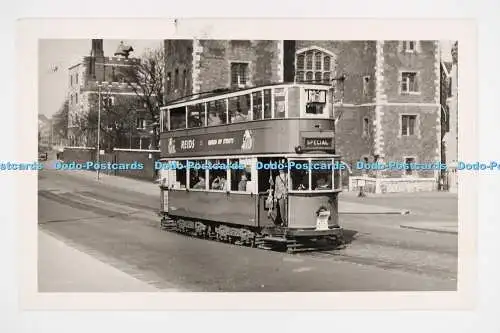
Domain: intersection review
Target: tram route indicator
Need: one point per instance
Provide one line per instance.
(318, 142)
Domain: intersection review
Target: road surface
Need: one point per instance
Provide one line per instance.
(119, 227)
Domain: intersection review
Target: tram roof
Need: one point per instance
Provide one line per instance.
(225, 91)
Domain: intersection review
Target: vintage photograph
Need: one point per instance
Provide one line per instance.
(233, 165)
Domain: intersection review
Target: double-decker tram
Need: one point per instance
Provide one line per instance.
(254, 167)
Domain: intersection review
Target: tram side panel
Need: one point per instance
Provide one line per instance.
(304, 210)
(233, 208)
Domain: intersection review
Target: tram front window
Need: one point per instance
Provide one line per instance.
(299, 175)
(240, 174)
(279, 103)
(197, 177)
(180, 175)
(267, 104)
(321, 175)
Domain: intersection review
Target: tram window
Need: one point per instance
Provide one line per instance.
(180, 175)
(279, 103)
(257, 105)
(315, 108)
(217, 112)
(239, 107)
(196, 115)
(164, 120)
(299, 175)
(217, 175)
(321, 175)
(197, 177)
(178, 118)
(337, 179)
(267, 104)
(241, 175)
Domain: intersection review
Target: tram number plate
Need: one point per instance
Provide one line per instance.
(322, 220)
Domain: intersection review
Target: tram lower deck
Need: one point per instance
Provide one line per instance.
(252, 214)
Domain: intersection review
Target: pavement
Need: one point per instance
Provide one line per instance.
(349, 202)
(62, 268)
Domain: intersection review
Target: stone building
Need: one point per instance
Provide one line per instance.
(388, 106)
(451, 136)
(107, 75)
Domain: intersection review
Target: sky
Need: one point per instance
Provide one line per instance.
(65, 53)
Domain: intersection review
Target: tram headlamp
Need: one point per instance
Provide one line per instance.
(298, 149)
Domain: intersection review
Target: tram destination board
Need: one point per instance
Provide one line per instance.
(318, 142)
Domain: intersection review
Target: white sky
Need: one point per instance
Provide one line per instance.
(64, 53)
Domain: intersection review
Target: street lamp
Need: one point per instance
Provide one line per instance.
(99, 85)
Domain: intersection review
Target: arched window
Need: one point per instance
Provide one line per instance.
(313, 65)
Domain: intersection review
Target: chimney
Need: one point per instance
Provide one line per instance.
(289, 61)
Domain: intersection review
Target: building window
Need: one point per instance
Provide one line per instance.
(408, 124)
(184, 80)
(176, 79)
(409, 45)
(76, 78)
(71, 80)
(313, 66)
(169, 82)
(366, 127)
(366, 82)
(239, 74)
(141, 123)
(409, 165)
(409, 82)
(76, 98)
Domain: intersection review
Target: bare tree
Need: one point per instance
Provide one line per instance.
(147, 80)
(60, 120)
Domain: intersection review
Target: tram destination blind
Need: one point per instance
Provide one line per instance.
(318, 142)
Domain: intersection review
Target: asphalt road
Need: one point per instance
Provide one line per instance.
(119, 227)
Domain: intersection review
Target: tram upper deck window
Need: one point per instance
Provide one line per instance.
(315, 102)
(257, 105)
(217, 174)
(241, 175)
(217, 113)
(321, 175)
(178, 118)
(279, 103)
(164, 120)
(180, 175)
(197, 174)
(299, 175)
(196, 115)
(267, 104)
(239, 107)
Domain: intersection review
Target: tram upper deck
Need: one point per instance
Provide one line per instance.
(265, 120)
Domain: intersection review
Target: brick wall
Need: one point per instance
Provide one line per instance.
(422, 61)
(179, 56)
(263, 58)
(351, 143)
(423, 145)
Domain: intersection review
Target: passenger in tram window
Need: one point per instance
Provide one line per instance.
(214, 119)
(200, 184)
(242, 185)
(219, 183)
